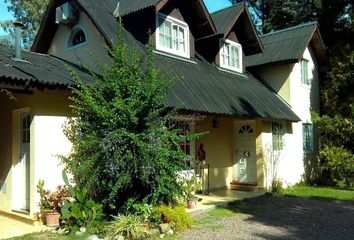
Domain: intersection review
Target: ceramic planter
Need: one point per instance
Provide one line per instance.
(192, 202)
(52, 218)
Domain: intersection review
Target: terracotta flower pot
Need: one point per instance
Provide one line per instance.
(52, 219)
(192, 203)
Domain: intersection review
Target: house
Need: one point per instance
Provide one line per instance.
(250, 92)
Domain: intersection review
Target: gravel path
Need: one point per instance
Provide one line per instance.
(269, 217)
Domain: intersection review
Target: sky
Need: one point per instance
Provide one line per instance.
(212, 5)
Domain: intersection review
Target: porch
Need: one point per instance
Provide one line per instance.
(13, 226)
(221, 198)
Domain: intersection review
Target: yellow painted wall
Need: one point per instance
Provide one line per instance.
(218, 145)
(7, 140)
(48, 114)
(278, 77)
(259, 152)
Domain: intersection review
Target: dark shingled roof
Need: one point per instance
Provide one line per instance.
(37, 69)
(286, 45)
(224, 17)
(203, 87)
(129, 6)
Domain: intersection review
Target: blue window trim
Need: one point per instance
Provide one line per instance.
(73, 30)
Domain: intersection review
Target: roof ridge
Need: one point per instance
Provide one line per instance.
(234, 5)
(290, 28)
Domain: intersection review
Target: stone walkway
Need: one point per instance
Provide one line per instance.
(10, 227)
(221, 198)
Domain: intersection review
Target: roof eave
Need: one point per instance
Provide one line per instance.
(42, 27)
(320, 52)
(162, 3)
(244, 10)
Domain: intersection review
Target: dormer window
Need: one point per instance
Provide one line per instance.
(172, 35)
(231, 55)
(77, 37)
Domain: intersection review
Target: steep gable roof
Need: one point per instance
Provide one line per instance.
(288, 45)
(225, 20)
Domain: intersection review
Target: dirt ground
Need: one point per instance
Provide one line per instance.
(269, 217)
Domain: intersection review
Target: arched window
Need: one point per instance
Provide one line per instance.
(77, 37)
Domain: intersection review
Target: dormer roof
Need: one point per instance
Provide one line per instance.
(203, 87)
(225, 21)
(288, 46)
(225, 18)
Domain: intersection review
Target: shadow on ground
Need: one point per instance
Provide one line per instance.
(301, 218)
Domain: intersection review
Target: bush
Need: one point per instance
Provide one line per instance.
(339, 163)
(176, 216)
(81, 211)
(124, 151)
(277, 186)
(129, 226)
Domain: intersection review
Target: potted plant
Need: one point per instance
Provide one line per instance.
(190, 190)
(187, 180)
(50, 203)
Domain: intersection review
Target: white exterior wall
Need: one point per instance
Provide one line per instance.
(302, 99)
(49, 142)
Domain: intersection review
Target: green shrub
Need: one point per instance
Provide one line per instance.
(125, 150)
(277, 186)
(176, 216)
(339, 163)
(129, 226)
(81, 211)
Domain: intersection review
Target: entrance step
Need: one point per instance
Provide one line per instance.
(246, 187)
(22, 217)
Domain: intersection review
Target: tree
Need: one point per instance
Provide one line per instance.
(273, 15)
(334, 17)
(337, 122)
(125, 150)
(30, 13)
(7, 41)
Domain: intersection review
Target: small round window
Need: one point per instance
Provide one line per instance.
(77, 37)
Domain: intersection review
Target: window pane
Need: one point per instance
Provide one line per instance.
(277, 136)
(304, 73)
(307, 137)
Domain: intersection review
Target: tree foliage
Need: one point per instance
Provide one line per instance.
(270, 15)
(337, 122)
(334, 17)
(30, 13)
(124, 148)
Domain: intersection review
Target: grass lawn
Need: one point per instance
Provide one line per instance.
(302, 190)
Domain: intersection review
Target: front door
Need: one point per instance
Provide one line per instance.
(246, 167)
(21, 181)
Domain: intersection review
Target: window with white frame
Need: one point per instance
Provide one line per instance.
(305, 80)
(172, 35)
(307, 135)
(277, 137)
(231, 55)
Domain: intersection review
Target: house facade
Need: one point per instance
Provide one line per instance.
(231, 88)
